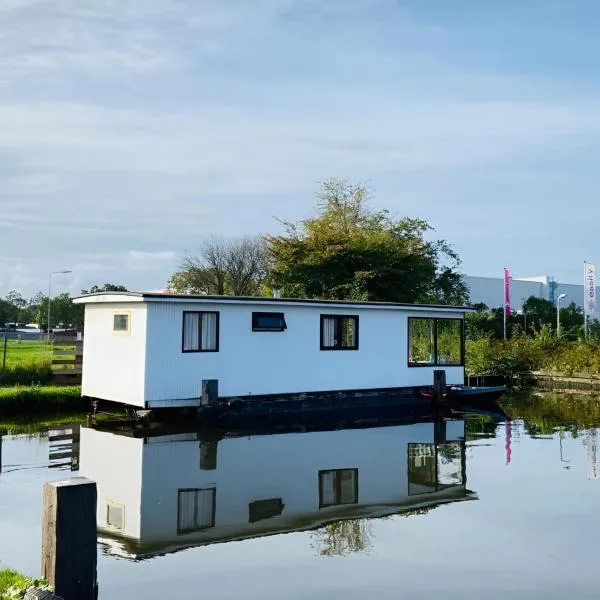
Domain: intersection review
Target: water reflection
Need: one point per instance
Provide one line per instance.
(160, 494)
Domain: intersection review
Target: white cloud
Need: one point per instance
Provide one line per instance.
(150, 124)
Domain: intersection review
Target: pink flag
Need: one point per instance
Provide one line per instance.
(507, 292)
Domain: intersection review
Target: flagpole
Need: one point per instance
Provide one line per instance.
(585, 312)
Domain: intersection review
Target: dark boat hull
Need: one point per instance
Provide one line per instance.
(357, 407)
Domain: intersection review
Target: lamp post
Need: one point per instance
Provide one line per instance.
(560, 297)
(50, 294)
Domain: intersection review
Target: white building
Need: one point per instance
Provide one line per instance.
(162, 494)
(490, 290)
(159, 350)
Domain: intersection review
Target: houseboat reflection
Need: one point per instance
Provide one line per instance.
(161, 494)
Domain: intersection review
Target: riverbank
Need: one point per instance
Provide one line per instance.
(517, 359)
(27, 399)
(13, 585)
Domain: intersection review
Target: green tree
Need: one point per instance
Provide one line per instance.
(349, 251)
(342, 538)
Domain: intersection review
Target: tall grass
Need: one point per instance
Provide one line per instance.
(32, 399)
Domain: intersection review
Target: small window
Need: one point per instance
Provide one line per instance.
(339, 332)
(264, 509)
(115, 516)
(195, 509)
(200, 332)
(339, 486)
(268, 321)
(121, 322)
(435, 342)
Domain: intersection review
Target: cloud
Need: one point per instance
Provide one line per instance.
(144, 261)
(150, 124)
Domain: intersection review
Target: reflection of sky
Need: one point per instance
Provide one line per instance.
(533, 533)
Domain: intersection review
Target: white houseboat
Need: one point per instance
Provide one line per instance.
(151, 350)
(162, 494)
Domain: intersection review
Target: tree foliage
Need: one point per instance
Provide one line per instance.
(349, 251)
(223, 267)
(537, 313)
(107, 287)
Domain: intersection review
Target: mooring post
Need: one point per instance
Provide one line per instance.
(69, 538)
(439, 384)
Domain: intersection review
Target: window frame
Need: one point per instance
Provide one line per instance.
(436, 362)
(115, 505)
(121, 313)
(339, 318)
(217, 333)
(257, 315)
(185, 531)
(323, 472)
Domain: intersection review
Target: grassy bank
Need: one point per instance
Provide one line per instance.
(26, 400)
(14, 585)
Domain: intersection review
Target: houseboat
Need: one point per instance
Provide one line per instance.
(160, 494)
(157, 350)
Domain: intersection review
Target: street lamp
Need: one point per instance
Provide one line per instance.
(560, 297)
(50, 293)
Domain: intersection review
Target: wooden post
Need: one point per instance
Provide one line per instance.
(69, 538)
(210, 392)
(439, 384)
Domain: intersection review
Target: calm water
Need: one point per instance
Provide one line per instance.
(475, 509)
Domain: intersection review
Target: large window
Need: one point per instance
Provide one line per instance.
(435, 467)
(268, 321)
(200, 332)
(339, 332)
(339, 486)
(195, 509)
(435, 342)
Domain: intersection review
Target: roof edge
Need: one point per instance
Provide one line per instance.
(153, 296)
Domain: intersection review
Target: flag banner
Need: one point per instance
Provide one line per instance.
(589, 285)
(507, 310)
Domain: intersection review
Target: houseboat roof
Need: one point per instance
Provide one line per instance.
(114, 297)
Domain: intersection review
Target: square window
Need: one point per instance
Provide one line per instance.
(268, 321)
(338, 486)
(339, 332)
(200, 332)
(121, 322)
(115, 516)
(195, 509)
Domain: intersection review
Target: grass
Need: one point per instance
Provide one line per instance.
(38, 423)
(27, 362)
(35, 399)
(25, 353)
(14, 585)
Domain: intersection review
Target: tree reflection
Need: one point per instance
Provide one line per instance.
(343, 537)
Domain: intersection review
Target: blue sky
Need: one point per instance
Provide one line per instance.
(131, 130)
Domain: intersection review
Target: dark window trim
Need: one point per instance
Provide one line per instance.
(213, 509)
(435, 363)
(356, 325)
(338, 490)
(200, 312)
(257, 315)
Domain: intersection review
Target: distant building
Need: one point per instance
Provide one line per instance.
(490, 290)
